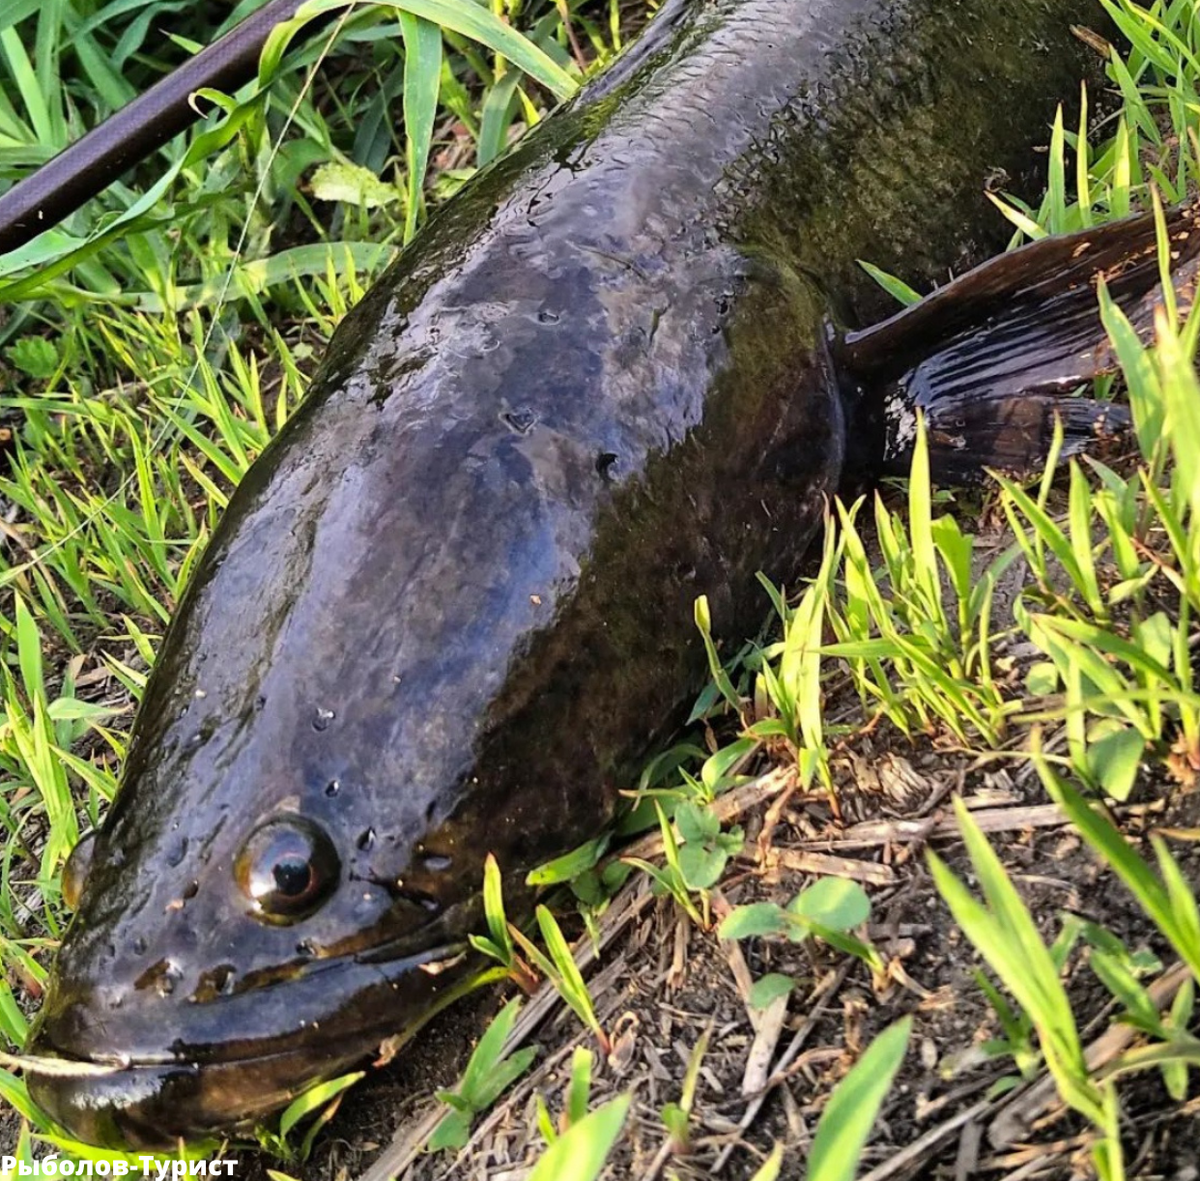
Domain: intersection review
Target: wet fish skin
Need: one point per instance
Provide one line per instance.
(449, 609)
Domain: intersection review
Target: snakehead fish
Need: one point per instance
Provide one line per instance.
(450, 608)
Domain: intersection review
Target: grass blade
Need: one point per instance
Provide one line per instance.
(852, 1108)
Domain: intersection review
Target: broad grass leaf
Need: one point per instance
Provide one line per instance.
(770, 988)
(759, 918)
(771, 1166)
(579, 1154)
(314, 1098)
(422, 82)
(1115, 758)
(571, 865)
(896, 288)
(854, 1105)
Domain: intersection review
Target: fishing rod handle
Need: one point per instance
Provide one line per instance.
(88, 166)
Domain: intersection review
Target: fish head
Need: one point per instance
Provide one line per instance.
(284, 879)
(214, 969)
(222, 960)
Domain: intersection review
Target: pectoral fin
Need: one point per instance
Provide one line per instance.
(994, 356)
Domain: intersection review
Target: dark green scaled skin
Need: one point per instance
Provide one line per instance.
(459, 585)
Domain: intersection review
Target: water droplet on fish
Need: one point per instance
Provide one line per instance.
(139, 946)
(545, 317)
(366, 839)
(332, 788)
(322, 718)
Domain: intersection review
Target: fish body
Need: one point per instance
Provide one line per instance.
(449, 609)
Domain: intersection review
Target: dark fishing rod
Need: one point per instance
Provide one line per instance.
(127, 137)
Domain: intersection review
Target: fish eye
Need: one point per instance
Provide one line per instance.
(287, 868)
(76, 869)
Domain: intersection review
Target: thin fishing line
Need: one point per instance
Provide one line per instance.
(168, 428)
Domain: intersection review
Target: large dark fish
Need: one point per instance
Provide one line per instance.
(450, 607)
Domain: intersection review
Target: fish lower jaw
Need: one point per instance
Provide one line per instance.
(99, 1074)
(154, 1105)
(124, 1108)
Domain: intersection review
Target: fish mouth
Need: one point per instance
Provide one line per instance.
(152, 1107)
(225, 1065)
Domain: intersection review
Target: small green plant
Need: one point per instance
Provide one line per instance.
(1005, 933)
(1017, 1027)
(1166, 897)
(35, 356)
(321, 1102)
(851, 1111)
(581, 1152)
(676, 1116)
(489, 1073)
(787, 688)
(558, 965)
(1121, 972)
(695, 866)
(575, 1104)
(498, 944)
(829, 910)
(769, 1170)
(910, 658)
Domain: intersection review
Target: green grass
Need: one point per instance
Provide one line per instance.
(156, 342)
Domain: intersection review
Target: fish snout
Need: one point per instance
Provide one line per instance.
(139, 1065)
(91, 1091)
(91, 1086)
(152, 1106)
(137, 1108)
